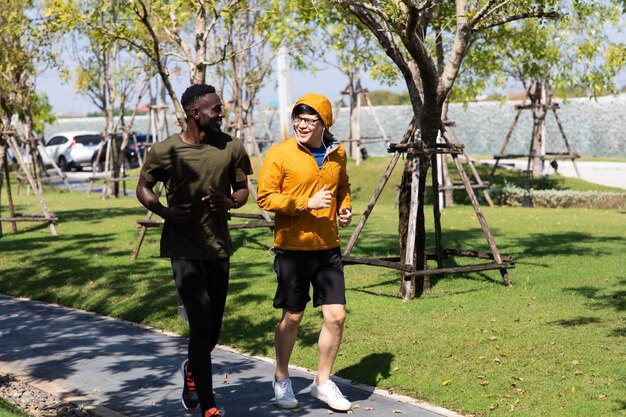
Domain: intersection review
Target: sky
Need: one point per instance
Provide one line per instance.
(327, 81)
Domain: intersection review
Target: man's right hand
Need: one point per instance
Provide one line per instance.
(321, 199)
(179, 213)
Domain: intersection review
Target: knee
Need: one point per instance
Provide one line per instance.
(291, 320)
(335, 318)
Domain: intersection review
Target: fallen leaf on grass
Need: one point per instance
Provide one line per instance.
(446, 382)
(483, 383)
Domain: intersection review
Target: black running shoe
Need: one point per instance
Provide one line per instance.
(190, 395)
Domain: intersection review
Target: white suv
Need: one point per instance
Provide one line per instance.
(71, 149)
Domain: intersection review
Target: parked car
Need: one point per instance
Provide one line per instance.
(131, 151)
(74, 149)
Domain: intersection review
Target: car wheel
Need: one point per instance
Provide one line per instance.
(63, 164)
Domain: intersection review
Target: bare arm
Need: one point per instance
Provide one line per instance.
(178, 214)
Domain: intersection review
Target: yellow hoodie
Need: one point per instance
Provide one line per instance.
(290, 176)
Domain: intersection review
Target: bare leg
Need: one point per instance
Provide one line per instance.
(284, 341)
(330, 339)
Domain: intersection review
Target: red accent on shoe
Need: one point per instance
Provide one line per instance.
(212, 412)
(191, 385)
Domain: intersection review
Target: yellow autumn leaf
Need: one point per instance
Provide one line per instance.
(446, 382)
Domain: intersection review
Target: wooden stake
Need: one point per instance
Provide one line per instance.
(381, 185)
(13, 144)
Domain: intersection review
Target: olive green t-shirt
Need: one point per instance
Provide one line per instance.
(187, 172)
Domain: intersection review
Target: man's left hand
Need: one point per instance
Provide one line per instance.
(217, 201)
(345, 217)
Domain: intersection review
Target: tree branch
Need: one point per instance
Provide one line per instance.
(485, 11)
(365, 6)
(512, 18)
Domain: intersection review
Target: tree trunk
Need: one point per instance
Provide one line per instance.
(539, 101)
(355, 117)
(430, 122)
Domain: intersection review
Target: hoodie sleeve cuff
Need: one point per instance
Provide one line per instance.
(302, 204)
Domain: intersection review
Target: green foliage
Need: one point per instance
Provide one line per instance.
(41, 112)
(25, 46)
(573, 53)
(514, 196)
(388, 98)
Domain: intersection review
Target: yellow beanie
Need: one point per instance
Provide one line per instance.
(320, 104)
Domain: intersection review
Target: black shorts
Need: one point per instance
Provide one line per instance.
(297, 270)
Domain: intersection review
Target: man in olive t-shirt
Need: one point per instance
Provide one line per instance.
(205, 175)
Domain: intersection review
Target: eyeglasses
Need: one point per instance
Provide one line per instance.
(308, 122)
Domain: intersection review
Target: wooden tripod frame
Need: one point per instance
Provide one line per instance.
(46, 217)
(408, 268)
(531, 156)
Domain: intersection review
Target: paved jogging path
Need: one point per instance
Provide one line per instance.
(118, 368)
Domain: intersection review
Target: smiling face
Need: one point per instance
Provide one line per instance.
(208, 112)
(309, 129)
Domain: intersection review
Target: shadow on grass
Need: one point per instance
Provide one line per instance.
(601, 298)
(101, 262)
(370, 370)
(527, 250)
(578, 321)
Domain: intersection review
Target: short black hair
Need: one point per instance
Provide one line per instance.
(303, 109)
(193, 93)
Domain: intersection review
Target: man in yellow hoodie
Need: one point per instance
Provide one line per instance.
(304, 181)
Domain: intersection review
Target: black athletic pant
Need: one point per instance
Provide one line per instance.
(202, 286)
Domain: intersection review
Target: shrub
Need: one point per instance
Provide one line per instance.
(514, 196)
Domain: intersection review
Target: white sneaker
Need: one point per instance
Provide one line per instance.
(284, 394)
(330, 394)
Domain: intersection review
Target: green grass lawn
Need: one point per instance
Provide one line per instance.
(9, 410)
(552, 345)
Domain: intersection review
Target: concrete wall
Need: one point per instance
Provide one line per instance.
(593, 127)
